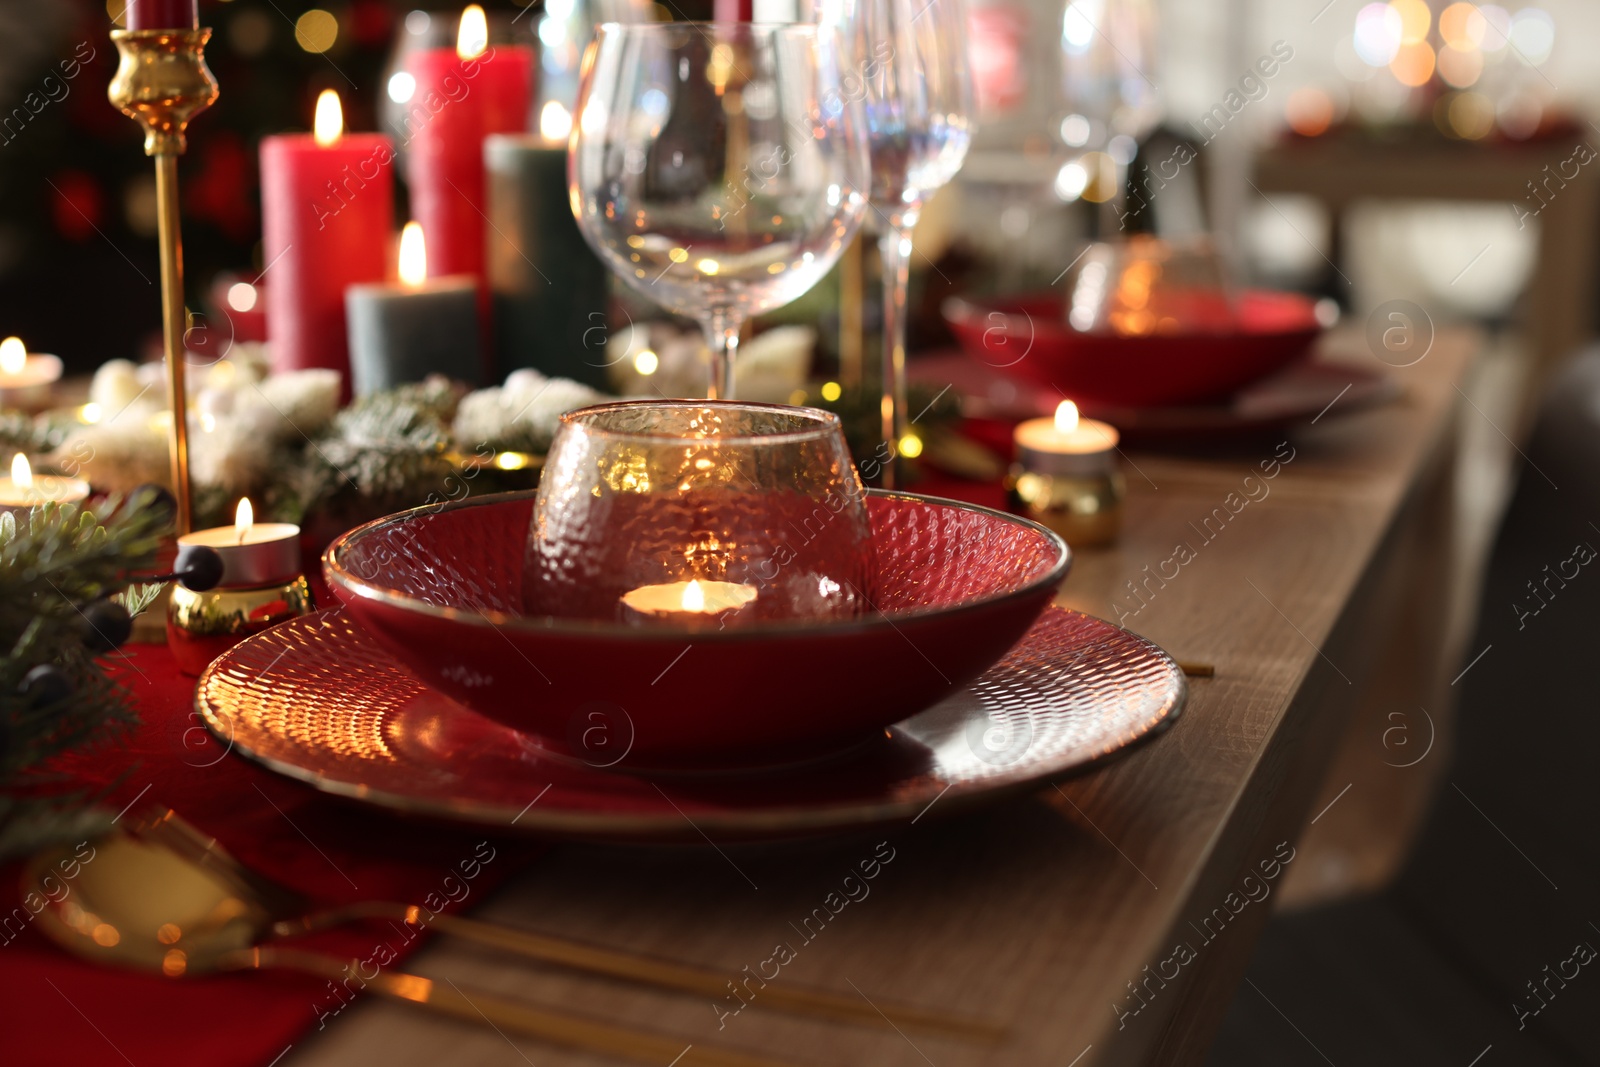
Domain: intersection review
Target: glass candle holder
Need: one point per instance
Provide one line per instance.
(699, 514)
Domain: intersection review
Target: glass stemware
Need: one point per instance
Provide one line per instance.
(719, 168)
(911, 67)
(1106, 48)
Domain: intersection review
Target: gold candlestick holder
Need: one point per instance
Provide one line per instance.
(162, 82)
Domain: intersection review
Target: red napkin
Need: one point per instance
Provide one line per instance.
(60, 1009)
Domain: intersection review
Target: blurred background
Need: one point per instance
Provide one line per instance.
(1409, 100)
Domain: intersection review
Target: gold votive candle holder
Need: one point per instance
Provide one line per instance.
(1066, 477)
(261, 586)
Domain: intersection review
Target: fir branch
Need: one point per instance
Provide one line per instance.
(57, 561)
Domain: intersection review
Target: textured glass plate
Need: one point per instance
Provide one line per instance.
(316, 700)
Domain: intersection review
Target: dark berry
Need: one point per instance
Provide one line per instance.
(45, 685)
(106, 625)
(198, 567)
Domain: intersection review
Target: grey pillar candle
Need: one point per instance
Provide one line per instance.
(404, 331)
(550, 290)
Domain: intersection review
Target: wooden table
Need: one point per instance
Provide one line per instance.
(1542, 182)
(1040, 913)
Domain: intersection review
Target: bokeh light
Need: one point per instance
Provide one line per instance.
(1102, 172)
(242, 296)
(1519, 115)
(402, 87)
(1533, 34)
(1463, 26)
(316, 30)
(1071, 180)
(1496, 27)
(1470, 115)
(1413, 65)
(1460, 69)
(251, 31)
(1075, 131)
(1415, 20)
(1377, 38)
(1078, 25)
(1309, 111)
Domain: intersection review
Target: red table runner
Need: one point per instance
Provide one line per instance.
(331, 850)
(60, 1009)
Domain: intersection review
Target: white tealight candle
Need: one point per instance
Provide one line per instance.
(26, 376)
(25, 489)
(696, 600)
(252, 553)
(1066, 444)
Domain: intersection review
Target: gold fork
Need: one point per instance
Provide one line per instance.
(290, 918)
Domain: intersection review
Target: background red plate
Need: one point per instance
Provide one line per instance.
(1293, 396)
(1027, 337)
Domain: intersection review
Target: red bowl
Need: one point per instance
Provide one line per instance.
(1028, 337)
(441, 588)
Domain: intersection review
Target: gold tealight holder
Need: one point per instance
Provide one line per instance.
(202, 626)
(1066, 477)
(260, 586)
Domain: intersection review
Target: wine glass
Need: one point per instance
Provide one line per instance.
(719, 168)
(1106, 48)
(910, 64)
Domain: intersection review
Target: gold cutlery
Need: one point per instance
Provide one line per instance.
(279, 912)
(136, 904)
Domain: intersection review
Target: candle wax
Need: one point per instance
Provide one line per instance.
(46, 489)
(162, 14)
(667, 602)
(456, 104)
(1090, 436)
(326, 214)
(37, 371)
(402, 333)
(550, 290)
(269, 552)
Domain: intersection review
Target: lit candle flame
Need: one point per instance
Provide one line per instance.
(473, 37)
(694, 598)
(13, 355)
(555, 121)
(1067, 416)
(328, 126)
(21, 473)
(243, 519)
(413, 255)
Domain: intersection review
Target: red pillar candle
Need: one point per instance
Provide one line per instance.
(465, 93)
(327, 208)
(733, 10)
(162, 15)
